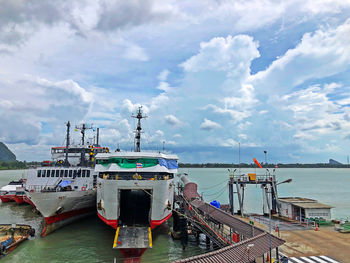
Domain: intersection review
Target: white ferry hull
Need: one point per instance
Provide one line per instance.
(62, 208)
(108, 199)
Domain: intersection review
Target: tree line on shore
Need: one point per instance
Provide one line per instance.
(11, 165)
(264, 165)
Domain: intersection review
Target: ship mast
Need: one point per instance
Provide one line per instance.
(83, 127)
(139, 117)
(66, 163)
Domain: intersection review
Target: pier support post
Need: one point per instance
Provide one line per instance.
(240, 200)
(207, 241)
(242, 186)
(230, 190)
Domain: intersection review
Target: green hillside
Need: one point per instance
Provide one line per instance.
(5, 154)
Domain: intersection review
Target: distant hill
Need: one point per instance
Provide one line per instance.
(334, 162)
(5, 154)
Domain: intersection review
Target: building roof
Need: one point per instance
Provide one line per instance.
(305, 203)
(242, 252)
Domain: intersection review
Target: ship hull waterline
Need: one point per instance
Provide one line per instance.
(62, 208)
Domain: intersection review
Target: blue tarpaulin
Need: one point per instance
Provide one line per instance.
(170, 164)
(7, 242)
(215, 203)
(64, 183)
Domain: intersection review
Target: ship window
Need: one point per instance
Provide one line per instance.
(70, 173)
(57, 173)
(87, 173)
(61, 174)
(48, 173)
(52, 173)
(83, 173)
(79, 173)
(65, 173)
(74, 173)
(39, 173)
(43, 173)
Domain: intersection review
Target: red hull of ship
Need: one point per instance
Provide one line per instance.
(18, 199)
(6, 198)
(57, 221)
(114, 223)
(28, 201)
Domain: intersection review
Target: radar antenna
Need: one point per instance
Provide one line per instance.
(83, 127)
(66, 162)
(139, 117)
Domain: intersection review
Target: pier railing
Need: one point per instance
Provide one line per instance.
(253, 178)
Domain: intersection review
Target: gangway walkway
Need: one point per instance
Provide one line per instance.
(239, 241)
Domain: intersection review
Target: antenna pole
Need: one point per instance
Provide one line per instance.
(66, 163)
(138, 130)
(82, 129)
(239, 159)
(97, 136)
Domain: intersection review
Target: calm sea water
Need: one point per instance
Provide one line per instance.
(90, 240)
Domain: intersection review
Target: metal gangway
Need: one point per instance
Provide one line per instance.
(238, 241)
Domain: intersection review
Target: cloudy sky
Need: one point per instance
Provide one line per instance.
(268, 74)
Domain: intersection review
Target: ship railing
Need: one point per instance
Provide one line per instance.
(135, 177)
(46, 188)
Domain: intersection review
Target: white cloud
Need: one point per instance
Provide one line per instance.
(102, 60)
(239, 108)
(209, 125)
(135, 52)
(227, 142)
(172, 120)
(314, 113)
(28, 102)
(263, 112)
(243, 136)
(321, 54)
(163, 76)
(156, 137)
(231, 54)
(177, 135)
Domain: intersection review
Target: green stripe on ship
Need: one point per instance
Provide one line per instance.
(129, 163)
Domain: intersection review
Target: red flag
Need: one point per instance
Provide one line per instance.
(257, 163)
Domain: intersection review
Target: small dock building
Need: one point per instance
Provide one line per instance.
(300, 209)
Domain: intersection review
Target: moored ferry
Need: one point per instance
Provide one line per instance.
(64, 189)
(135, 192)
(135, 188)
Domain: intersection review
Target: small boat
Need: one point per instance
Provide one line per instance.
(11, 235)
(8, 192)
(19, 195)
(344, 227)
